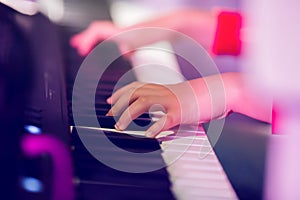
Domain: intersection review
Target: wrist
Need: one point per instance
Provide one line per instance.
(233, 86)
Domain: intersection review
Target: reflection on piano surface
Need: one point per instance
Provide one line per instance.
(50, 110)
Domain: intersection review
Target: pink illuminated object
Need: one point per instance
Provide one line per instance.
(227, 40)
(37, 145)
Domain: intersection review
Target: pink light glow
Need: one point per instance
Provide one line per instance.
(37, 145)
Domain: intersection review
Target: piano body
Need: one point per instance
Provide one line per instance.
(49, 108)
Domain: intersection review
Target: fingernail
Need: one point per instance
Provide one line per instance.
(118, 126)
(108, 100)
(149, 134)
(109, 113)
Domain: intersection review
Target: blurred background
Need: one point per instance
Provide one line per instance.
(39, 67)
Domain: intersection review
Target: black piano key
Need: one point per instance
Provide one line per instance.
(93, 191)
(84, 155)
(86, 168)
(139, 124)
(98, 104)
(98, 181)
(91, 169)
(138, 144)
(103, 174)
(101, 108)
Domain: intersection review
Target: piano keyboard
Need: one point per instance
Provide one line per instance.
(197, 174)
(189, 177)
(192, 176)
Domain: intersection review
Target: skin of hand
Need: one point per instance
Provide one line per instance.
(96, 32)
(196, 101)
(197, 24)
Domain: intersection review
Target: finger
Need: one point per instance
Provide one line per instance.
(121, 104)
(143, 95)
(80, 42)
(136, 89)
(120, 92)
(77, 39)
(164, 123)
(86, 40)
(74, 41)
(132, 112)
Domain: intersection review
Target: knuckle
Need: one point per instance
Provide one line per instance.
(132, 92)
(170, 120)
(137, 92)
(135, 84)
(151, 85)
(144, 100)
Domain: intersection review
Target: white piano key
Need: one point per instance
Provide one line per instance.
(197, 173)
(194, 166)
(203, 193)
(197, 149)
(188, 156)
(199, 167)
(186, 195)
(201, 175)
(203, 183)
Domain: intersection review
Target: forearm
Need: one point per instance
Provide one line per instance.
(200, 25)
(221, 94)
